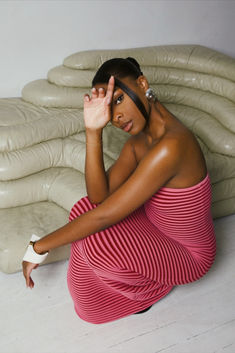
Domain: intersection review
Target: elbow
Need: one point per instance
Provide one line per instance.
(95, 200)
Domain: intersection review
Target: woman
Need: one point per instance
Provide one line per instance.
(146, 224)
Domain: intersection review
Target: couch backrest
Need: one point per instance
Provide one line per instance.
(196, 84)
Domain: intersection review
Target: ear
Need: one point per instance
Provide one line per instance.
(142, 82)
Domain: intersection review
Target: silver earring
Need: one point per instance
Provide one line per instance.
(151, 95)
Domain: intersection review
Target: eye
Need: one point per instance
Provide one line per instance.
(119, 99)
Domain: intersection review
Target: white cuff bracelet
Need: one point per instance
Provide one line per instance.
(31, 255)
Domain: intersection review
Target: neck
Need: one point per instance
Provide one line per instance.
(158, 122)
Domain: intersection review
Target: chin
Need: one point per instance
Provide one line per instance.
(134, 132)
(137, 130)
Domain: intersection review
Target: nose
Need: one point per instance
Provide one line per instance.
(116, 118)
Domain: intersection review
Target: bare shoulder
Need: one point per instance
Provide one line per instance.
(161, 159)
(172, 144)
(185, 154)
(179, 140)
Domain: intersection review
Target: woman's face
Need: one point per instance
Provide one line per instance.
(125, 114)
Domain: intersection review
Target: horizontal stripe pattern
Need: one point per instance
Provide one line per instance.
(131, 265)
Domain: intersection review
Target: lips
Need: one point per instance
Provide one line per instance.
(127, 126)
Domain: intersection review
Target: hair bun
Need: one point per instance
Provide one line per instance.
(135, 63)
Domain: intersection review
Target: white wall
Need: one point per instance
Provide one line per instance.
(37, 35)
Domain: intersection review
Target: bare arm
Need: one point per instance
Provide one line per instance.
(95, 175)
(155, 169)
(99, 183)
(97, 113)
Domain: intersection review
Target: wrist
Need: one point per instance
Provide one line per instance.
(94, 133)
(31, 255)
(38, 249)
(94, 137)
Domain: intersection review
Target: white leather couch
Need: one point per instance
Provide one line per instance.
(42, 149)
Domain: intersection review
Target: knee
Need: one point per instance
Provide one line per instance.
(80, 207)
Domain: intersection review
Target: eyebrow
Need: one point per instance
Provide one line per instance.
(116, 88)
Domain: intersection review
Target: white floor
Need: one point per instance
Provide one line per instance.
(194, 318)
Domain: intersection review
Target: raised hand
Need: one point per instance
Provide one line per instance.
(97, 108)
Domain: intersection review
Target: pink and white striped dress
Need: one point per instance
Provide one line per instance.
(129, 266)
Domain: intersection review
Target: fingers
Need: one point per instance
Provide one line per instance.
(86, 98)
(31, 283)
(100, 92)
(27, 269)
(110, 89)
(27, 279)
(95, 93)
